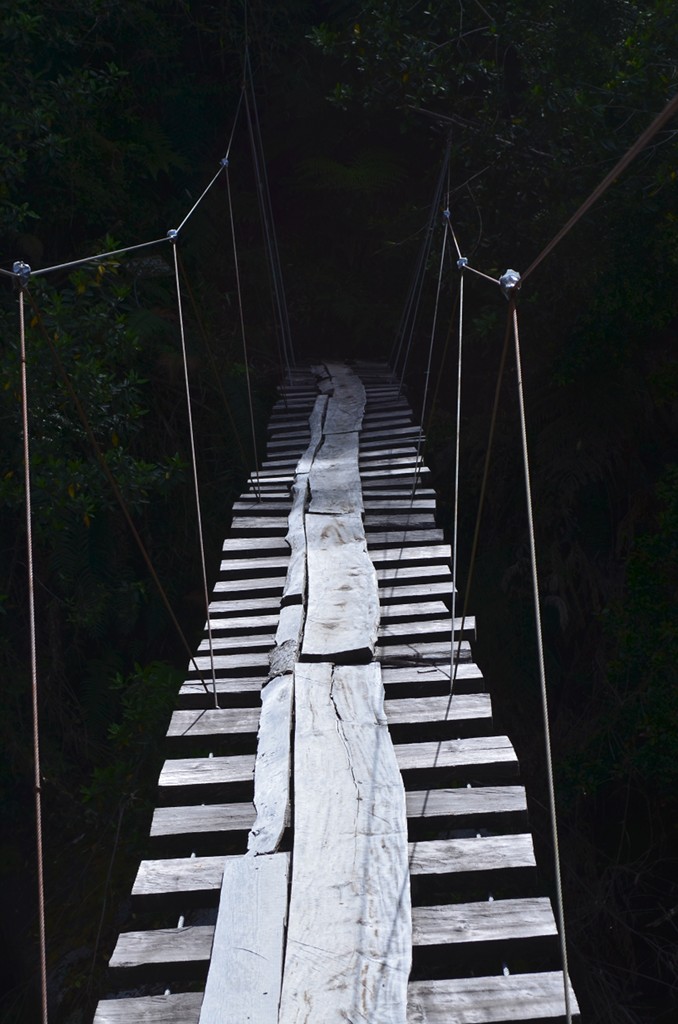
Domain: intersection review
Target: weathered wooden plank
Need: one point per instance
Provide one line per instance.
(287, 640)
(253, 547)
(255, 622)
(349, 940)
(243, 983)
(422, 652)
(400, 554)
(210, 818)
(395, 574)
(183, 772)
(403, 538)
(469, 678)
(467, 803)
(403, 590)
(182, 1008)
(347, 403)
(490, 921)
(404, 612)
(334, 480)
(190, 876)
(491, 1000)
(475, 752)
(267, 586)
(273, 766)
(242, 642)
(343, 604)
(482, 853)
(420, 710)
(250, 568)
(295, 581)
(236, 692)
(242, 660)
(416, 630)
(169, 947)
(213, 722)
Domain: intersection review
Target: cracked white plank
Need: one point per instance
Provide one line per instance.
(349, 935)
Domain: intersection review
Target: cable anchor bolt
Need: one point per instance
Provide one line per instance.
(462, 262)
(23, 273)
(510, 283)
(173, 234)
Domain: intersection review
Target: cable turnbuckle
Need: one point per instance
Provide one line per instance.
(509, 283)
(23, 273)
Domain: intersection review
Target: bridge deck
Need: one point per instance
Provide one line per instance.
(340, 839)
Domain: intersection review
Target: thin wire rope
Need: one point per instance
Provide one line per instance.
(417, 465)
(198, 201)
(194, 464)
(494, 280)
(455, 520)
(425, 250)
(244, 338)
(99, 256)
(37, 773)
(215, 371)
(268, 223)
(117, 493)
(542, 670)
(483, 489)
(665, 115)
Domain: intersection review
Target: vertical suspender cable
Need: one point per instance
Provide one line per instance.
(195, 470)
(267, 216)
(244, 338)
(34, 667)
(414, 297)
(455, 522)
(542, 672)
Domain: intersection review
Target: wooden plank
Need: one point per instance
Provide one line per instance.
(466, 803)
(420, 710)
(482, 853)
(243, 983)
(241, 642)
(490, 921)
(416, 630)
(189, 876)
(422, 652)
(238, 691)
(182, 1008)
(334, 480)
(349, 939)
(343, 606)
(287, 640)
(210, 818)
(469, 677)
(405, 611)
(168, 947)
(403, 538)
(474, 753)
(295, 581)
(213, 722)
(491, 1000)
(347, 403)
(395, 574)
(272, 766)
(190, 772)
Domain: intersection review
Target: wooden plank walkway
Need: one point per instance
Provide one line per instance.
(340, 839)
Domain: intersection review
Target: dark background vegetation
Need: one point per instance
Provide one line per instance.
(114, 115)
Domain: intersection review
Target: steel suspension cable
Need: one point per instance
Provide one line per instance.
(266, 207)
(660, 120)
(194, 464)
(483, 489)
(455, 521)
(542, 670)
(426, 248)
(37, 773)
(244, 337)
